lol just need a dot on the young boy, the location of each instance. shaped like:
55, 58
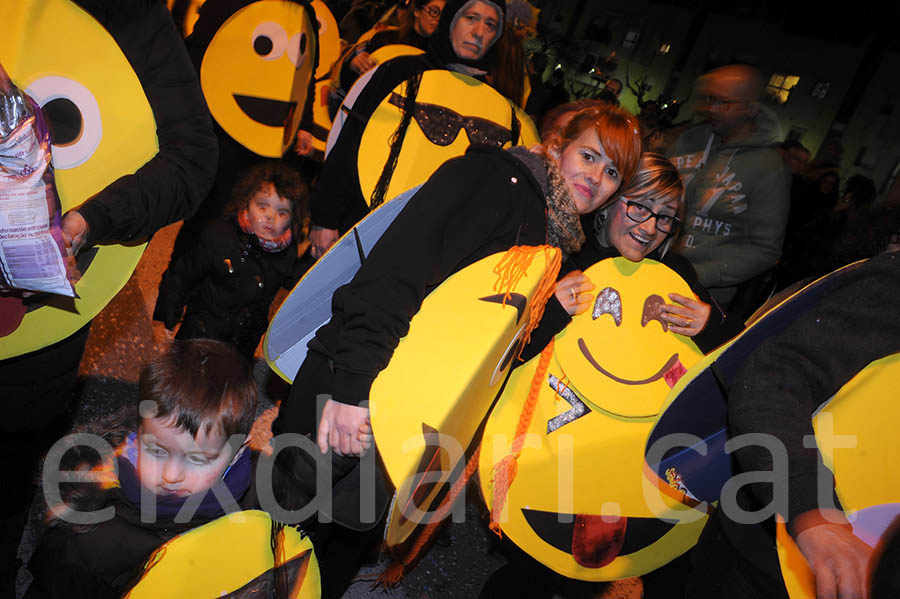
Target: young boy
180, 461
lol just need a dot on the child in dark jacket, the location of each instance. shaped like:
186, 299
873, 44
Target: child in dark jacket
230, 275
182, 441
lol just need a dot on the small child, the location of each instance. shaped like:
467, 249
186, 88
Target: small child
230, 275
195, 407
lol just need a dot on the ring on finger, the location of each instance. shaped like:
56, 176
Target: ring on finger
574, 296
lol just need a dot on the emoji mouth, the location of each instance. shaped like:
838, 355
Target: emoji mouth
593, 542
660, 374
273, 113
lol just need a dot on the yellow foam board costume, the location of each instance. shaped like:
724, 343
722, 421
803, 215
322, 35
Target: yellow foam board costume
232, 554
329, 52
451, 111
256, 72
427, 405
860, 480
562, 457
118, 136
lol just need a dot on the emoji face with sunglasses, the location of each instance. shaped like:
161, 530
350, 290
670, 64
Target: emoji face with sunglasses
449, 111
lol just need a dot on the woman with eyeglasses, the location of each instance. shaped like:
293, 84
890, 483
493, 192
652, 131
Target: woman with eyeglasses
642, 221
415, 31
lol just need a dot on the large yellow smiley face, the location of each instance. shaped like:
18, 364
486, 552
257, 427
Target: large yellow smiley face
256, 72
620, 355
103, 128
579, 503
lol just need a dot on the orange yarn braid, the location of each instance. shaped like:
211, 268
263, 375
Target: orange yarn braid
512, 268
514, 265
394, 572
505, 470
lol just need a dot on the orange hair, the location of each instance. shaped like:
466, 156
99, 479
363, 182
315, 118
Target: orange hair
618, 130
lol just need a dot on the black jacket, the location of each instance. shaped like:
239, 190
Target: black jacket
787, 377
227, 283
171, 185
473, 206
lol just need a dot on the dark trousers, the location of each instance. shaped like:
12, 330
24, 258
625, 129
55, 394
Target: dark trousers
343, 544
36, 390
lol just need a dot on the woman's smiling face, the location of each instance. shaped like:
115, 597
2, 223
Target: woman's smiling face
590, 174
634, 240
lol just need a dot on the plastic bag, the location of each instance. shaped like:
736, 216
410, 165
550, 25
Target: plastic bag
32, 251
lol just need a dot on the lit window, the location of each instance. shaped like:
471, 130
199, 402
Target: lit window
664, 48
780, 86
631, 38
820, 89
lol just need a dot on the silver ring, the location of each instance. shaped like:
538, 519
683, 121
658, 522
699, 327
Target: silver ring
574, 297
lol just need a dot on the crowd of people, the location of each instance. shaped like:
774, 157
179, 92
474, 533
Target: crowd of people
738, 212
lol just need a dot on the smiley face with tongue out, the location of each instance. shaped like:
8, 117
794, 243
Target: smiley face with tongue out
577, 501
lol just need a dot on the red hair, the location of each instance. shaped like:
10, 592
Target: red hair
617, 129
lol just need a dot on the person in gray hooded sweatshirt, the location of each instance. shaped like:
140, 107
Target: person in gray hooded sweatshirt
737, 191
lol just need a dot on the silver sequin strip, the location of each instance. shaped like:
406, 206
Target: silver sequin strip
578, 408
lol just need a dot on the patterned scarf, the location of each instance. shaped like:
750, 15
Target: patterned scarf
268, 245
563, 221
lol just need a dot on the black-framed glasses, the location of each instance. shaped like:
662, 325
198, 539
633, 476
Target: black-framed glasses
432, 11
640, 213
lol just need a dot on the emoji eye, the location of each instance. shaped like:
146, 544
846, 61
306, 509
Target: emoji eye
653, 311
297, 49
270, 40
608, 302
74, 117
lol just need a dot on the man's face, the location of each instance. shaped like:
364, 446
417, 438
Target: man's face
724, 104
474, 31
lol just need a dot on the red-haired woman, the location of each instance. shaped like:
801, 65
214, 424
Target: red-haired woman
473, 206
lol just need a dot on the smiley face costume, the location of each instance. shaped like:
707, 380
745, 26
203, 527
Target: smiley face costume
576, 503
118, 207
256, 60
806, 359
340, 198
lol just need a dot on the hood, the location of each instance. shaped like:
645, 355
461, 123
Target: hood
440, 47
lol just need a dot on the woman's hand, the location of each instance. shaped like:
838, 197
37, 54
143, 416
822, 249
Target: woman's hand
572, 292
362, 62
686, 316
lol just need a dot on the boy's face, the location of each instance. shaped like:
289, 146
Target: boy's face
172, 462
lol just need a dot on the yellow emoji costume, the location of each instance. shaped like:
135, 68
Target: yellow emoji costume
561, 463
833, 340
204, 563
488, 306
414, 113
256, 61
136, 152
105, 127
